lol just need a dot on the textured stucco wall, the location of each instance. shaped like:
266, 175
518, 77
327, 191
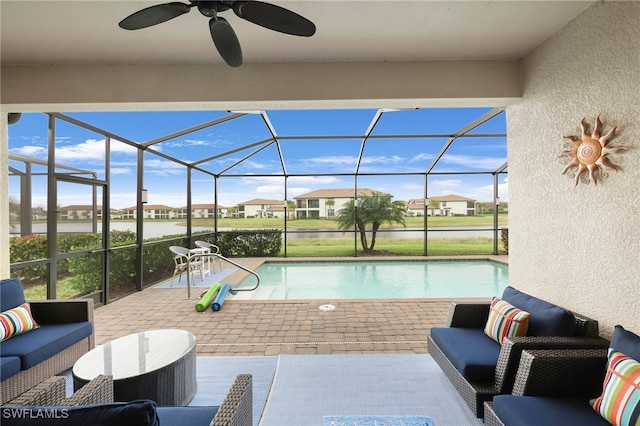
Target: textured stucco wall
4, 199
579, 246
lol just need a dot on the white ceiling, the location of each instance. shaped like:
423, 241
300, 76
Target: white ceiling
82, 31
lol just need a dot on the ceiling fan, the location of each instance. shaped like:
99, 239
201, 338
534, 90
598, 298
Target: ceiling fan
267, 15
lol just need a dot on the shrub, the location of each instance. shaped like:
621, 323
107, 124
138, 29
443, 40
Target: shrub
23, 249
250, 243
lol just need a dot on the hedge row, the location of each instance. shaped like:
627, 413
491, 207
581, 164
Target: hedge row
85, 272
250, 243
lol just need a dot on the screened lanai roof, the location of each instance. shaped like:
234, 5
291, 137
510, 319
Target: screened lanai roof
375, 143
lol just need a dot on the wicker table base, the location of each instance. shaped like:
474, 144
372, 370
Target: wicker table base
159, 365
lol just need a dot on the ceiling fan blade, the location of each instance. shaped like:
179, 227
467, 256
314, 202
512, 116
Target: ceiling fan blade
274, 17
154, 15
226, 41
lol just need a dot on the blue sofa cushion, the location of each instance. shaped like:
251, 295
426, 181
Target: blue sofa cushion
11, 294
133, 413
546, 318
41, 344
9, 366
472, 353
626, 342
191, 416
536, 410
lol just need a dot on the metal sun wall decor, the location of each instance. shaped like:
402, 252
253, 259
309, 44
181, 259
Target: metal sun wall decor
590, 152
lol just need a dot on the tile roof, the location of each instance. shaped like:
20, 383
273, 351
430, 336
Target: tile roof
260, 201
338, 193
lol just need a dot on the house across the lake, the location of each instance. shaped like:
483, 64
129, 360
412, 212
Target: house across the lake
325, 203
444, 205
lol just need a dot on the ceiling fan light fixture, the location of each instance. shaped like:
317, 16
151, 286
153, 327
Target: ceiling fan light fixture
266, 15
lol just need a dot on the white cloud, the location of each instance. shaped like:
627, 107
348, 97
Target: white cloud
381, 159
121, 171
91, 149
482, 163
313, 180
294, 192
352, 160
30, 151
254, 165
444, 186
422, 157
163, 168
332, 159
259, 180
276, 190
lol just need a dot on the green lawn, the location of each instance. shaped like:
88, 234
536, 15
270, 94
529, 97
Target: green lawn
405, 246
411, 222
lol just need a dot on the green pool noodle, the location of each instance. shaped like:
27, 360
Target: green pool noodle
208, 297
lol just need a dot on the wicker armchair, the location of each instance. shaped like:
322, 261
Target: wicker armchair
235, 410
52, 312
562, 377
52, 392
474, 315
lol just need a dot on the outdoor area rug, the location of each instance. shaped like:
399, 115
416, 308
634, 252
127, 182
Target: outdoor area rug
210, 278
217, 374
377, 421
307, 388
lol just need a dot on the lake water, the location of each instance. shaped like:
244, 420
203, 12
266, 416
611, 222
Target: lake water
160, 229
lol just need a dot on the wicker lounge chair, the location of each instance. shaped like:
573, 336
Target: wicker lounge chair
235, 410
49, 314
586, 387
553, 387
472, 317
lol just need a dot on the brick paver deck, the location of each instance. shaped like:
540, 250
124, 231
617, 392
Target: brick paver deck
244, 328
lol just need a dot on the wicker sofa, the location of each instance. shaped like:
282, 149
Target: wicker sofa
479, 367
65, 334
47, 405
554, 387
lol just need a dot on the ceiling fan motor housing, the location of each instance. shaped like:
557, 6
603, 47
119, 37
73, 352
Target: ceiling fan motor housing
211, 8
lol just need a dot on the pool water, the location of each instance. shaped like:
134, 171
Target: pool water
377, 280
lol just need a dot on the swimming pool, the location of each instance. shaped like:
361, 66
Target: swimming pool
377, 280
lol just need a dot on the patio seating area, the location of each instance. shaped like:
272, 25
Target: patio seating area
367, 350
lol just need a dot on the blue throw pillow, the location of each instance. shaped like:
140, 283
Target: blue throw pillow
11, 294
133, 413
626, 342
546, 318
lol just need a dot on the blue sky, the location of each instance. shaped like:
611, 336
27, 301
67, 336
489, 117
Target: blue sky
260, 175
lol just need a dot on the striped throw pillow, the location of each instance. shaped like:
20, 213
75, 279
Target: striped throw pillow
16, 321
505, 320
619, 403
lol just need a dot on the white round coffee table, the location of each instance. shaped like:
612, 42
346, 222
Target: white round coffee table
157, 364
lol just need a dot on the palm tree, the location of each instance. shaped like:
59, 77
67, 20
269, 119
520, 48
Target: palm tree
434, 203
348, 217
372, 210
291, 209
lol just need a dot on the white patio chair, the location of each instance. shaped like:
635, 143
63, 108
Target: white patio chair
184, 260
213, 249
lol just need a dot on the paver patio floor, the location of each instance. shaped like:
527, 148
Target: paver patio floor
244, 328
